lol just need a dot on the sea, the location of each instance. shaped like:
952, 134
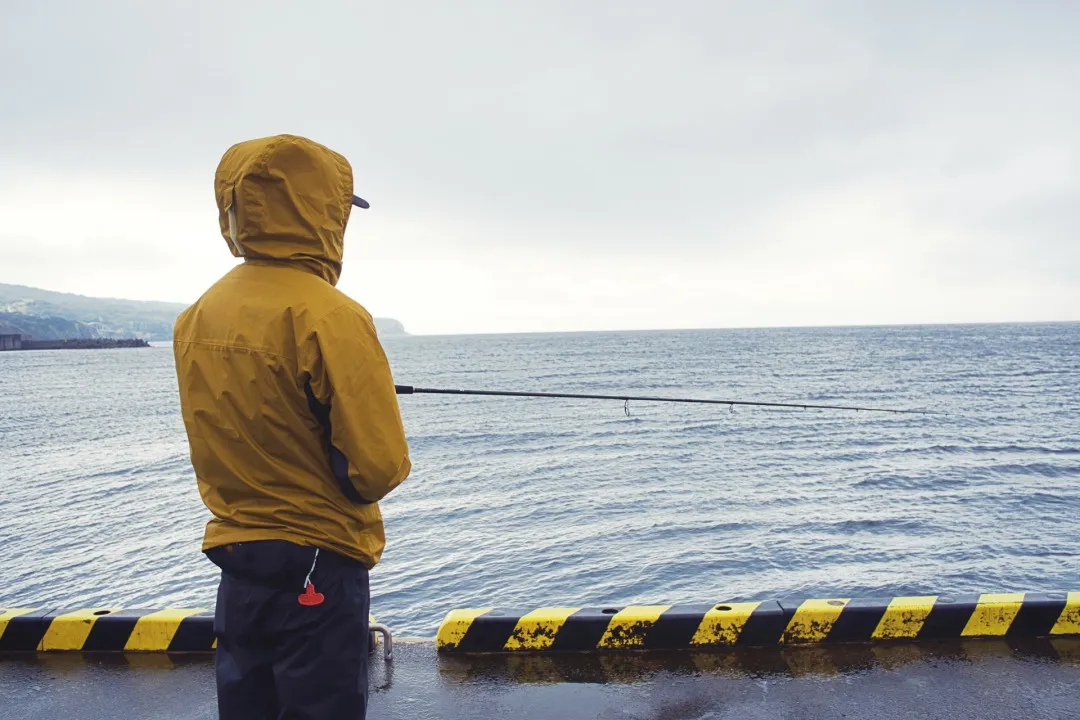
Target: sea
520, 503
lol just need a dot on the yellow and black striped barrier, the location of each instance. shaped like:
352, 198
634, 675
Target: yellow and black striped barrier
751, 624
767, 623
118, 630
106, 630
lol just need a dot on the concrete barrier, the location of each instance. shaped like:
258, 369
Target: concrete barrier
107, 630
765, 623
116, 630
750, 624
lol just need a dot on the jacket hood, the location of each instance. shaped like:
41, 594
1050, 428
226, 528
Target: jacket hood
285, 199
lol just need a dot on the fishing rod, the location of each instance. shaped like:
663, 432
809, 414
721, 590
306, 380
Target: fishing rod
410, 390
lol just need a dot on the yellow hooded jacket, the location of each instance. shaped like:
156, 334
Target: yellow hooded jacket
286, 393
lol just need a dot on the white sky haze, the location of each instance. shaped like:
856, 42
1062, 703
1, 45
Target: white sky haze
537, 166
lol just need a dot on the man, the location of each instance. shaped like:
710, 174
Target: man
295, 436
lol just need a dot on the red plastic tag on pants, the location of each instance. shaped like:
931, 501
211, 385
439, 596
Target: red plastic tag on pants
310, 597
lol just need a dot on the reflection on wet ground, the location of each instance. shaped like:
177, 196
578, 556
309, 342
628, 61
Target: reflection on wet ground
969, 679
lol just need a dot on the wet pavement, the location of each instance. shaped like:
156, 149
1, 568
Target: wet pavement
977, 679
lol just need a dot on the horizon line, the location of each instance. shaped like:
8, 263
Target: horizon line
949, 323
810, 326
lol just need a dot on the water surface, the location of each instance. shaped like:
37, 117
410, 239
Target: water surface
543, 502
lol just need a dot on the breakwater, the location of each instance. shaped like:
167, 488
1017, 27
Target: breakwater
18, 342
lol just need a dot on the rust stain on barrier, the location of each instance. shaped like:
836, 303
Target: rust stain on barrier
627, 634
537, 629
904, 617
629, 626
455, 626
722, 624
813, 621
1069, 622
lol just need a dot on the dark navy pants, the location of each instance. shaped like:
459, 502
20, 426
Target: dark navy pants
278, 659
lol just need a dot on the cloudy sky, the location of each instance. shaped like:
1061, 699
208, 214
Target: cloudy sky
568, 165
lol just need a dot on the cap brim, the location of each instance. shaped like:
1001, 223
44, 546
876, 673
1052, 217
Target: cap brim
360, 202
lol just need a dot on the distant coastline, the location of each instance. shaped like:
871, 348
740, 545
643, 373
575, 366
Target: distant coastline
47, 316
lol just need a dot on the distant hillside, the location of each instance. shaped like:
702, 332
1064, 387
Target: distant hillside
45, 328
49, 315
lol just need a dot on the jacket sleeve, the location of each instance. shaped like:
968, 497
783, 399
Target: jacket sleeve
352, 389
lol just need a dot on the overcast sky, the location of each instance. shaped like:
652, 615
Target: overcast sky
568, 165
